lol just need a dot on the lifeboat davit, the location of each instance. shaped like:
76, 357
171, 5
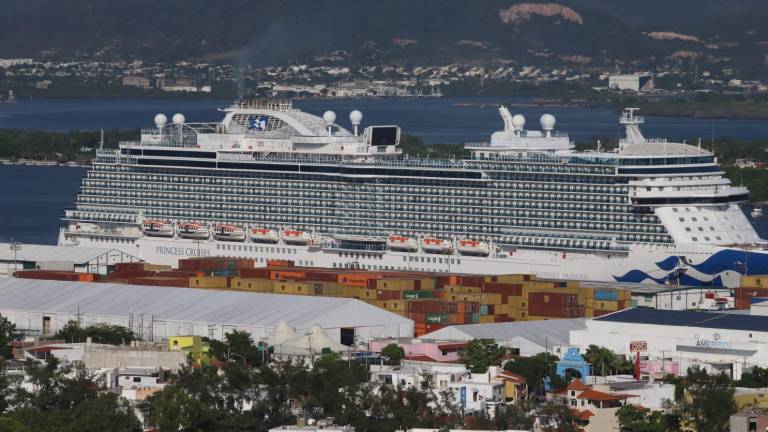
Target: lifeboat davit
436, 246
228, 233
473, 247
294, 237
157, 228
264, 235
192, 230
402, 244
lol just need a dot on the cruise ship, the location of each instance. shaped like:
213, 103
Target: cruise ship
273, 182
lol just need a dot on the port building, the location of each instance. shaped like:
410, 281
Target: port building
42, 307
637, 83
17, 256
673, 341
528, 337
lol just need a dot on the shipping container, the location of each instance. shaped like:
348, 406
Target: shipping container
209, 282
287, 275
606, 295
388, 294
411, 294
55, 275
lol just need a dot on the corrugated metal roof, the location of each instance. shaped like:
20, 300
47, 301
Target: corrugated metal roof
38, 253
544, 332
188, 304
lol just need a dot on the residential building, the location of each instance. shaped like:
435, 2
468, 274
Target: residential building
749, 420
422, 349
595, 409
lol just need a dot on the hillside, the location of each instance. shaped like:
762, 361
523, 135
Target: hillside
416, 31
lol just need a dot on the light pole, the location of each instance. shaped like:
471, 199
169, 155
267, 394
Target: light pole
311, 354
15, 247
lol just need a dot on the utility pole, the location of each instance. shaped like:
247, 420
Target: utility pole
15, 247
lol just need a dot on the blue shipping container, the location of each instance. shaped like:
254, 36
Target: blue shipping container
607, 295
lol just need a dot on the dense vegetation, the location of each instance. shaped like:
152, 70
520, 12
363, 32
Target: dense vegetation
99, 334
58, 146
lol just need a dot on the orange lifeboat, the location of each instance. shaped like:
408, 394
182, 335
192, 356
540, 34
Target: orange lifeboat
192, 230
295, 237
264, 235
436, 246
402, 244
228, 233
473, 248
157, 228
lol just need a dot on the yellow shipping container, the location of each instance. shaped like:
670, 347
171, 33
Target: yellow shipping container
609, 305
756, 281
294, 288
460, 289
366, 294
251, 284
391, 305
428, 284
216, 282
330, 289
484, 319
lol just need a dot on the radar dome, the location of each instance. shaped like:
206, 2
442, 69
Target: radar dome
355, 117
161, 120
329, 117
547, 122
518, 121
178, 119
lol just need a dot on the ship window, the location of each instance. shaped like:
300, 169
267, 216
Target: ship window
706, 238
718, 237
694, 219
682, 219
701, 228
711, 228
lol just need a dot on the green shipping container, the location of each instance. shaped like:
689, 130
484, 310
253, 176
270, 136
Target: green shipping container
436, 318
483, 309
417, 294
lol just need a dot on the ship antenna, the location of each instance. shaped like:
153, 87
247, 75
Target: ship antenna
101, 140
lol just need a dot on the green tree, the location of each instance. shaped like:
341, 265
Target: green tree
708, 401
394, 353
638, 419
557, 417
515, 416
535, 369
756, 378
8, 333
99, 333
478, 354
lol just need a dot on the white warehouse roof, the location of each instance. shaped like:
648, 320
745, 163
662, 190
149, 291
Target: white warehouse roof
531, 337
37, 253
192, 311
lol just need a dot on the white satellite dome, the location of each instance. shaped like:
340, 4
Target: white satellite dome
178, 119
518, 121
329, 117
161, 120
355, 117
547, 122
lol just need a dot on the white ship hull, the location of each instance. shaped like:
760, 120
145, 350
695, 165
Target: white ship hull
706, 265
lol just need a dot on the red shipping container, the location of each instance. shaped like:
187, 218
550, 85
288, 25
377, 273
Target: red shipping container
505, 289
388, 295
321, 276
259, 272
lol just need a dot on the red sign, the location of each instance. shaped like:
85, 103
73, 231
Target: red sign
638, 346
